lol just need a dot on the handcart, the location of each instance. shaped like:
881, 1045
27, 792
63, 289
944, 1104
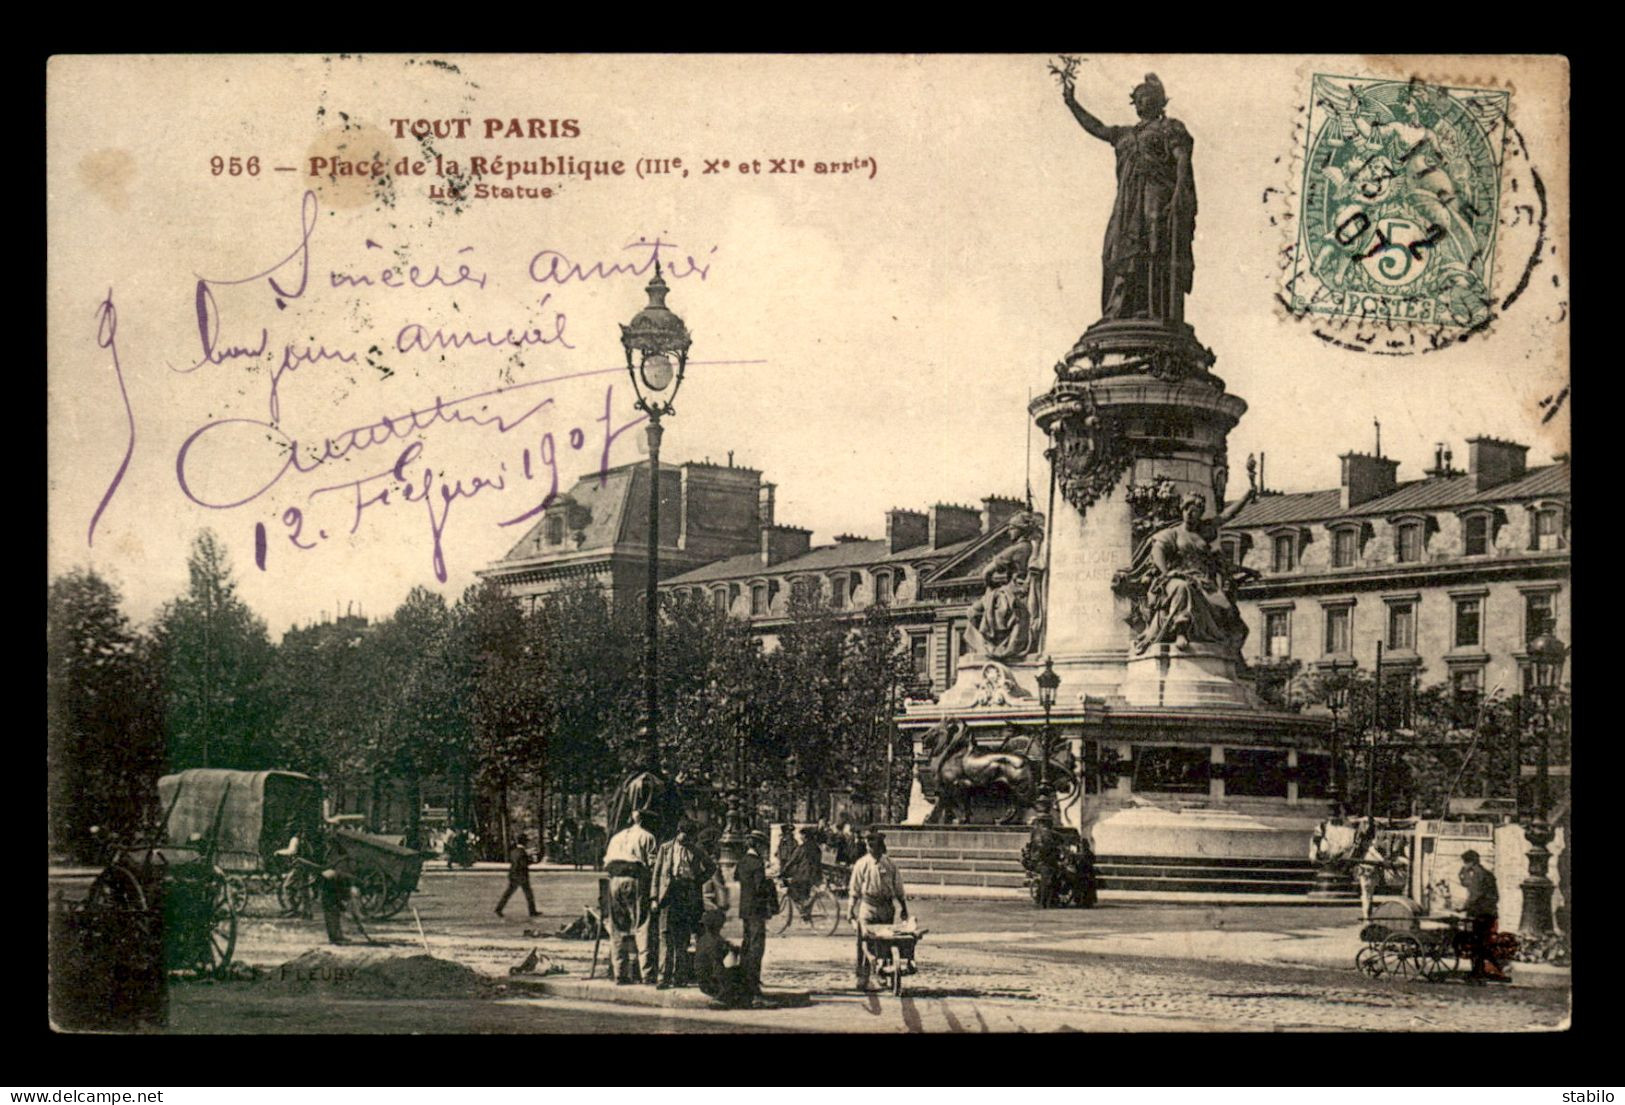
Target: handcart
890, 949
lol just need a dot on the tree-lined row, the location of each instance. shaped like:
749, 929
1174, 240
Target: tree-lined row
502, 708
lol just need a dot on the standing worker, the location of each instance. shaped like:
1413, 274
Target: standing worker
518, 875
875, 886
1481, 908
758, 900
336, 886
630, 859
680, 868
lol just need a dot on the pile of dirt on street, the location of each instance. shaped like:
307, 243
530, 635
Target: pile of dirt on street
372, 974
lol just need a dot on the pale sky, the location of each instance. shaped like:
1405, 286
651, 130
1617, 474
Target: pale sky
866, 343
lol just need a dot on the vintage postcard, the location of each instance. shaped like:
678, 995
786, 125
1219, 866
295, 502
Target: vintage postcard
663, 543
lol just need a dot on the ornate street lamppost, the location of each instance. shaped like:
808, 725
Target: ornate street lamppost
1547, 653
1337, 700
1048, 684
656, 344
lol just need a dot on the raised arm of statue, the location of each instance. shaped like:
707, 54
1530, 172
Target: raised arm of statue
1085, 120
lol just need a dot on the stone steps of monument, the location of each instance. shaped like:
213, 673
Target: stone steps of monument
937, 855
1015, 880
985, 860
1207, 885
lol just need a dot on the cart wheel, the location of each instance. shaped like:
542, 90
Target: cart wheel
1369, 962
221, 940
374, 889
237, 887
116, 889
1401, 955
1440, 963
394, 904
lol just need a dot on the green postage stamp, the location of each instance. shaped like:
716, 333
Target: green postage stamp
1398, 202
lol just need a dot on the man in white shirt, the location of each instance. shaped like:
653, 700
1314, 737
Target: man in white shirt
875, 885
630, 860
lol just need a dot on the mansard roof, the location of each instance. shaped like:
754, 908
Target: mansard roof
604, 503
824, 558
1441, 492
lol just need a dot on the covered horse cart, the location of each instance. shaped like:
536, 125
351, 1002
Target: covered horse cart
259, 813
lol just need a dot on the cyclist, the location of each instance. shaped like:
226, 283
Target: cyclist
801, 871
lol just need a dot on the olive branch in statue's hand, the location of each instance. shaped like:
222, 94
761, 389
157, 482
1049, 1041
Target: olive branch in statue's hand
1066, 72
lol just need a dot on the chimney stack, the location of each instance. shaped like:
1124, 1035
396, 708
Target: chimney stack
1492, 462
905, 529
997, 510
764, 504
781, 543
949, 523
1366, 477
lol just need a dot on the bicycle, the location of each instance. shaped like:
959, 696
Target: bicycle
820, 910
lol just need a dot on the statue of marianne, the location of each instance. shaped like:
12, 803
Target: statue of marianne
1147, 259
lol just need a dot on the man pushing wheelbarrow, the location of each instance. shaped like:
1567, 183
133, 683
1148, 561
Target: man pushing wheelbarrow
875, 886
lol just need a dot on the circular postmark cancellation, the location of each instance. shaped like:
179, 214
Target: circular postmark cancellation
1407, 196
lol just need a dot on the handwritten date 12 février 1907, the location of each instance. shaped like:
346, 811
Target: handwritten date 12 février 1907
270, 467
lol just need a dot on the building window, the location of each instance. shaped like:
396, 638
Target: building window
1466, 685
1410, 542
1278, 634
1469, 618
919, 655
1476, 534
555, 529
1345, 548
1402, 627
1286, 552
758, 599
733, 595
1232, 550
837, 592
1548, 530
1339, 639
799, 591
719, 600
1537, 615
882, 587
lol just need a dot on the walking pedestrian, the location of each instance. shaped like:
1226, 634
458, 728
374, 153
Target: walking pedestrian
519, 875
630, 859
1481, 908
680, 869
758, 900
875, 886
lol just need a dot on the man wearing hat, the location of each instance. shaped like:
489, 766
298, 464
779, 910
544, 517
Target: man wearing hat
875, 886
802, 869
1481, 907
680, 869
758, 900
518, 875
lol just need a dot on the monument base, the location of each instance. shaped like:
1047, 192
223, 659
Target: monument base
1197, 675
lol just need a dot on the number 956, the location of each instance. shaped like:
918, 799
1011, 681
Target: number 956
234, 166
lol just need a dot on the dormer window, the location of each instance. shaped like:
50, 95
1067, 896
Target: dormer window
1548, 527
1345, 547
883, 587
800, 590
1232, 549
554, 528
1285, 546
1475, 534
1408, 542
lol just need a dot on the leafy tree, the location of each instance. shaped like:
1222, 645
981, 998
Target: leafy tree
104, 726
214, 655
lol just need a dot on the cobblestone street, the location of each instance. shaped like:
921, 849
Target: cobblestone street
985, 966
